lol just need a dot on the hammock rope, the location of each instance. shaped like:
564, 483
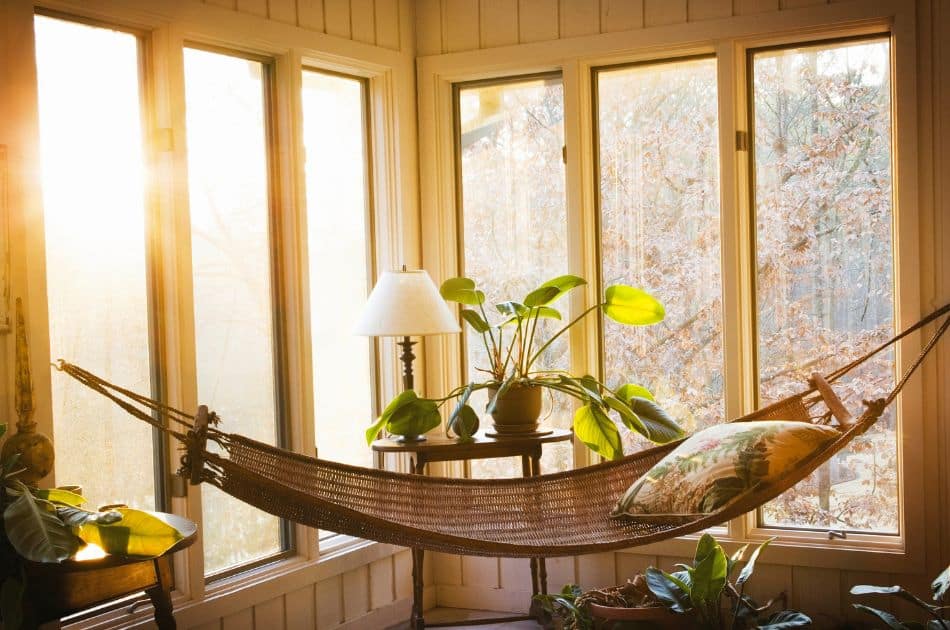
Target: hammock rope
558, 514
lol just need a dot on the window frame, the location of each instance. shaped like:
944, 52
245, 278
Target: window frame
390, 97
729, 43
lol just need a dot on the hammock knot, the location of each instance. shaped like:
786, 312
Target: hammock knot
875, 407
196, 441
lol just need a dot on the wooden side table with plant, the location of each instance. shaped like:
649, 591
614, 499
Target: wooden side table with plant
477, 447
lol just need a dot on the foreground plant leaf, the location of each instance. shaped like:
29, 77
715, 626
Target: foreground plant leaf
940, 586
631, 306
889, 620
669, 590
785, 619
77, 517
595, 429
405, 398
58, 495
553, 290
475, 320
137, 534
35, 531
658, 426
749, 567
461, 290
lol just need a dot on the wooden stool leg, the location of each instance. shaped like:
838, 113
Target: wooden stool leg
161, 594
417, 621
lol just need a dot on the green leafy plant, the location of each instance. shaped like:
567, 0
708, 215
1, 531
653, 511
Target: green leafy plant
514, 347
698, 590
51, 526
567, 607
940, 588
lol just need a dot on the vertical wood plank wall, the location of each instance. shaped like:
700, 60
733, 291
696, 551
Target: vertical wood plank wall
447, 26
374, 22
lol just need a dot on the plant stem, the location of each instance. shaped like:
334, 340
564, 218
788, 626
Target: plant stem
561, 332
481, 307
534, 328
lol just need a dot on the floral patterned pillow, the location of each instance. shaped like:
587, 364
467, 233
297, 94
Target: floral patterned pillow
718, 465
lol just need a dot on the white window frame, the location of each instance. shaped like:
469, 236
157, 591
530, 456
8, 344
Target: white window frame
165, 32
730, 41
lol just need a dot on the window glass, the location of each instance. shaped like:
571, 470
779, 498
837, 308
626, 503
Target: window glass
658, 134
93, 182
824, 261
514, 225
231, 261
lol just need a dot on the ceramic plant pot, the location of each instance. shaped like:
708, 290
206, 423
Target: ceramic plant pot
655, 616
517, 411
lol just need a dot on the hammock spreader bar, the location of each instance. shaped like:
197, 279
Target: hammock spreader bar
559, 514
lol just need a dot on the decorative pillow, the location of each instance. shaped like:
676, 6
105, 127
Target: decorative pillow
718, 465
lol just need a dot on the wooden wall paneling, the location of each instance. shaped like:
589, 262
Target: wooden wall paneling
283, 11
402, 571
253, 7
226, 4
853, 578
769, 580
668, 563
579, 17
428, 27
447, 569
697, 10
241, 620
620, 15
355, 593
817, 592
596, 570
211, 625
329, 602
336, 16
387, 24
497, 23
795, 4
478, 571
381, 590
310, 15
460, 25
299, 609
515, 574
363, 21
751, 7
561, 571
537, 20
919, 585
629, 564
270, 614
663, 12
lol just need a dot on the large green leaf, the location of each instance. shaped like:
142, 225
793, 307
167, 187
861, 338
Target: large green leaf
941, 585
553, 290
402, 400
595, 429
461, 290
35, 531
898, 591
708, 574
512, 309
58, 495
475, 320
785, 619
137, 534
415, 418
749, 567
889, 620
660, 427
77, 517
628, 391
464, 424
735, 558
705, 546
668, 589
629, 419
631, 306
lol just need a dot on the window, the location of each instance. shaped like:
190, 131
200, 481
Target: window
339, 257
97, 260
824, 260
236, 347
514, 221
658, 135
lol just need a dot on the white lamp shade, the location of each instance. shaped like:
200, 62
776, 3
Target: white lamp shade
406, 304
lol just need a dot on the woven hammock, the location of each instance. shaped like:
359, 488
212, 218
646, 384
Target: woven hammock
560, 514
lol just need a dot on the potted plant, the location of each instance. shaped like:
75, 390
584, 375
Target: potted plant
514, 383
704, 590
50, 526
937, 619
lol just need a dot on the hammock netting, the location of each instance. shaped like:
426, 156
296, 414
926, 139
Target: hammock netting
559, 514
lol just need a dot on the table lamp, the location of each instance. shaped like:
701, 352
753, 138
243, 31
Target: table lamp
406, 304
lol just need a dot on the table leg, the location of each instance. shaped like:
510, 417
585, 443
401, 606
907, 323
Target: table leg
161, 594
417, 621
